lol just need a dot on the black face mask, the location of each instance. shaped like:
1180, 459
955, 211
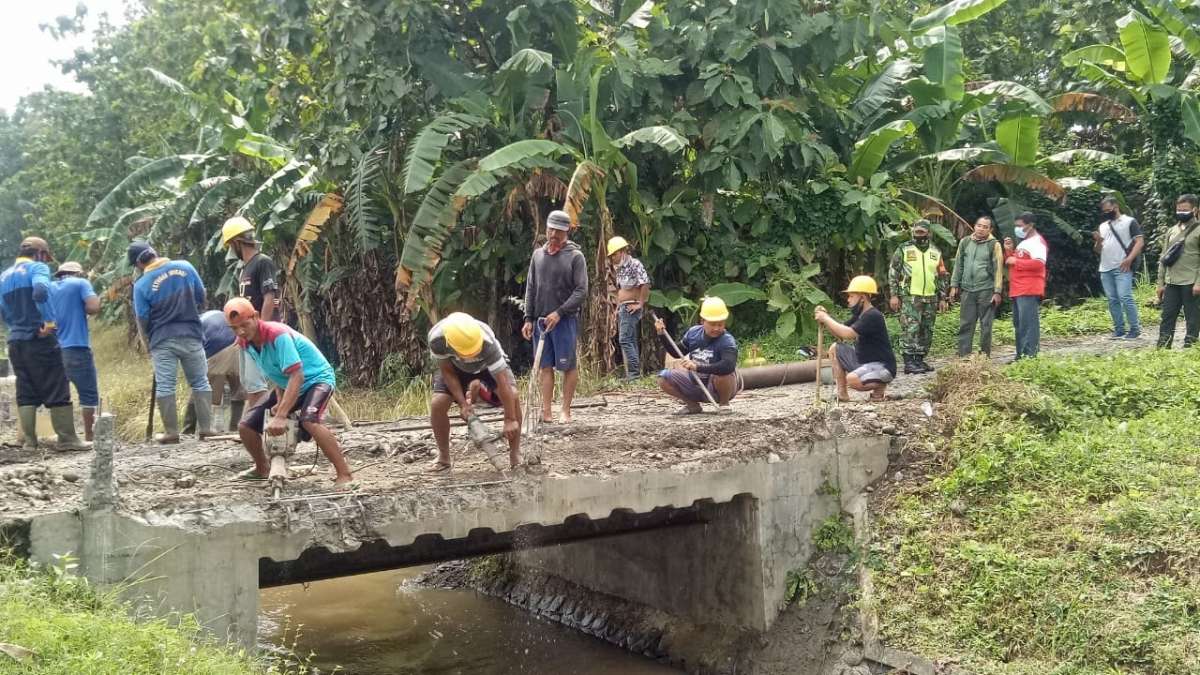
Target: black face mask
1183, 216
921, 242
1110, 215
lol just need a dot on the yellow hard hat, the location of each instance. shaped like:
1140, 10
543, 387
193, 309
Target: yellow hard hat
463, 334
616, 244
234, 227
713, 309
862, 284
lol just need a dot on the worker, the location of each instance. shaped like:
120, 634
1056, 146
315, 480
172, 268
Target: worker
978, 281
1178, 285
1026, 282
258, 281
33, 349
303, 383
223, 355
468, 353
1118, 241
167, 300
917, 279
555, 289
709, 359
74, 300
633, 289
870, 364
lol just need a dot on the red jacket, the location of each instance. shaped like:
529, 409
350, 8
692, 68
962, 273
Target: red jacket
1027, 268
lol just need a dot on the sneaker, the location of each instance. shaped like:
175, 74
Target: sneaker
1132, 336
1117, 336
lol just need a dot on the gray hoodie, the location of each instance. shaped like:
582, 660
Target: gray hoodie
556, 283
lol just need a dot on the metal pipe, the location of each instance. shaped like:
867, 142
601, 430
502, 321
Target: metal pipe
779, 374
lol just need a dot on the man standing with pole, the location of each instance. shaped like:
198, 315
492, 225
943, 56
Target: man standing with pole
917, 279
555, 289
33, 346
258, 282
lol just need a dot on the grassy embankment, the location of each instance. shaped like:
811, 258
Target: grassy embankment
73, 628
1058, 529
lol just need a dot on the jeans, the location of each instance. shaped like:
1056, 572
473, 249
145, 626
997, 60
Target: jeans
1118, 287
1028, 324
172, 353
976, 307
627, 334
81, 371
1176, 297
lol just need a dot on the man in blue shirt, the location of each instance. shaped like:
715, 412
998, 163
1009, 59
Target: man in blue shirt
33, 347
302, 382
167, 300
223, 354
73, 300
710, 354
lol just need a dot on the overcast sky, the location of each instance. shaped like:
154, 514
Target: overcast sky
26, 51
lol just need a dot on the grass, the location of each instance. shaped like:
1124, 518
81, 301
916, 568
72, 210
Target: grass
74, 628
1075, 547
1089, 317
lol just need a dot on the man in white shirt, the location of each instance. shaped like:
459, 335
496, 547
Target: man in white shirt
1118, 241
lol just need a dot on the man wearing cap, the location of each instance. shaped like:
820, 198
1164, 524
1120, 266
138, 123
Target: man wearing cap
74, 300
468, 353
259, 283
978, 280
917, 278
223, 355
633, 289
709, 360
33, 348
555, 288
167, 300
870, 364
302, 383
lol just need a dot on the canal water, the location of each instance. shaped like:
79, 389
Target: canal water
381, 624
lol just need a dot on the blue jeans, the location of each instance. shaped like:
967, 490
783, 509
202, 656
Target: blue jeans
627, 336
81, 371
179, 351
1027, 322
1118, 287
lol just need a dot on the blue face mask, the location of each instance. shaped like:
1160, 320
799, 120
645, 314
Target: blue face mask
1019, 231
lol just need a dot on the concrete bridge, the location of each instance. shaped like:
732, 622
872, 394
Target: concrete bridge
709, 544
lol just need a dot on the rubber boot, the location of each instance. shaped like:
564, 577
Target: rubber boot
189, 419
910, 365
88, 414
170, 419
236, 409
27, 418
925, 367
63, 419
203, 404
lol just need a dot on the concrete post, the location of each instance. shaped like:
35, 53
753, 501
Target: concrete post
101, 492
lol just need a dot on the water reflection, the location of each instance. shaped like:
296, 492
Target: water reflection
377, 624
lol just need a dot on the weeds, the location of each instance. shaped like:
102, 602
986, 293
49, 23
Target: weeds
800, 586
834, 536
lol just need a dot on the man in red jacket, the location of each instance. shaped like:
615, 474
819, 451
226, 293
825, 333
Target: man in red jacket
1026, 282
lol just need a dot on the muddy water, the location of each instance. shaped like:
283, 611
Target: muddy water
379, 624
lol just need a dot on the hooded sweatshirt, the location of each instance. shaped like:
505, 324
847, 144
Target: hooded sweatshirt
556, 283
979, 265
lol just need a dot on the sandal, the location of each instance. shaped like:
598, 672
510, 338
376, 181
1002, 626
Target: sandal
250, 475
438, 467
689, 409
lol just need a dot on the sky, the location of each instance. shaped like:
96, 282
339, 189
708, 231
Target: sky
26, 51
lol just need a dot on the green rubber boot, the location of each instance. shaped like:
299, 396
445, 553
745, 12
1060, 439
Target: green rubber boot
170, 419
236, 410
27, 418
63, 419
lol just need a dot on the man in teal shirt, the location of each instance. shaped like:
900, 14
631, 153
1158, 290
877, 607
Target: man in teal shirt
302, 382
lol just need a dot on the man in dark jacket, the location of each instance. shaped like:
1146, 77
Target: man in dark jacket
978, 280
555, 288
710, 353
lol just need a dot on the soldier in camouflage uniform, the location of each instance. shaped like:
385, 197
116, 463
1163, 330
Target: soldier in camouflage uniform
918, 281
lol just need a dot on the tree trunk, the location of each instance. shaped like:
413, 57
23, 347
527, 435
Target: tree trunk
600, 324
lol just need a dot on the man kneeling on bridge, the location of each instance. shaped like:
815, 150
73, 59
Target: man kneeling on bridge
869, 364
709, 361
303, 383
470, 360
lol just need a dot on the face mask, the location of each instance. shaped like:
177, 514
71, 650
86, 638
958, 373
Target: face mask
1019, 231
1183, 216
921, 242
1111, 215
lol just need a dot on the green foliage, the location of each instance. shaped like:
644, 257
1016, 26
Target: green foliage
834, 535
800, 586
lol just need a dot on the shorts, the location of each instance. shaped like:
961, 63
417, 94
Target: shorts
253, 381
487, 384
311, 406
687, 387
81, 371
559, 352
866, 373
224, 367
